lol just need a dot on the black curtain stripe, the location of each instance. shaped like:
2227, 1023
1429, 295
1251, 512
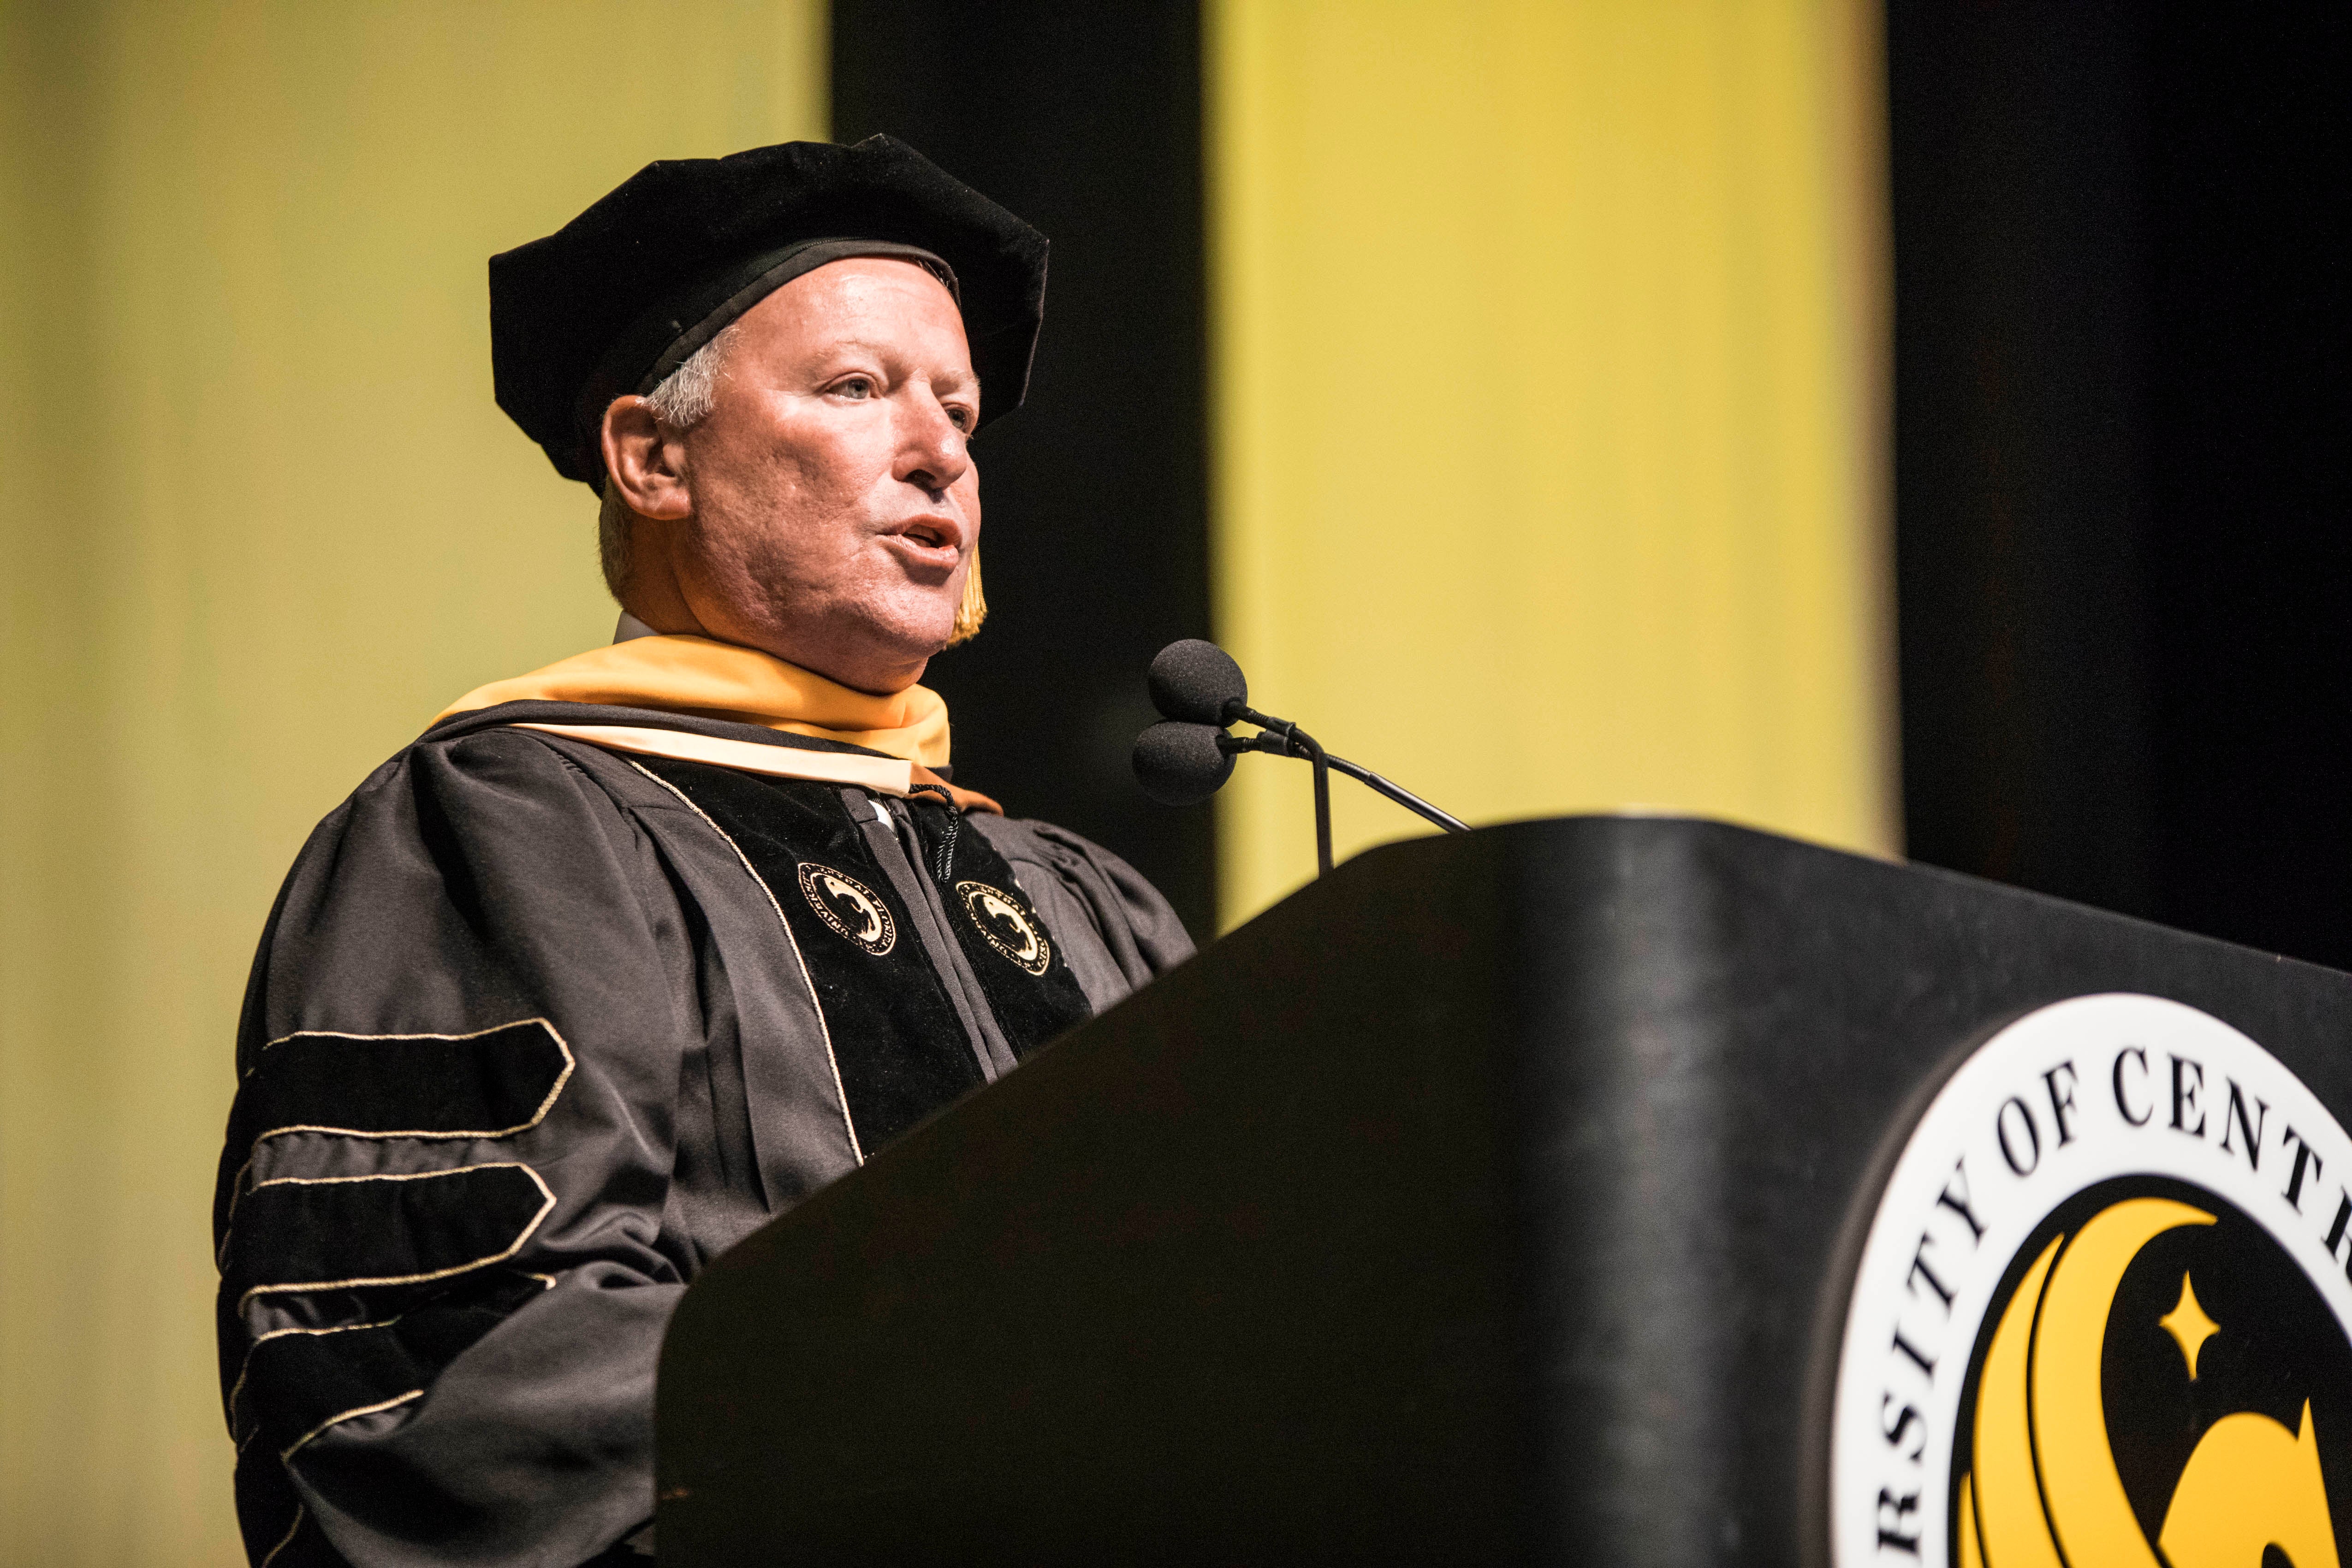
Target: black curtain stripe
1086, 121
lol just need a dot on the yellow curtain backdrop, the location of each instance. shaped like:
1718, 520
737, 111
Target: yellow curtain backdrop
261, 520
1548, 360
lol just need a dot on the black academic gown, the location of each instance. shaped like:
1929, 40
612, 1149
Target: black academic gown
538, 1028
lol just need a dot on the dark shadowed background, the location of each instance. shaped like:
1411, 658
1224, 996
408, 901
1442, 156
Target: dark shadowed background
2121, 426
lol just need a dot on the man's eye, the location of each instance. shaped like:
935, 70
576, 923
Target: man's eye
960, 418
856, 386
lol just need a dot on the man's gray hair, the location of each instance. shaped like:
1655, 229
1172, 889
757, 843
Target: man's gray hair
682, 401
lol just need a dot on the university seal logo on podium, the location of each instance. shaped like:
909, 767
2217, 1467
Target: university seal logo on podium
2104, 1311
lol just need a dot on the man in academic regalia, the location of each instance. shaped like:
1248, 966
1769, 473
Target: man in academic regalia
623, 958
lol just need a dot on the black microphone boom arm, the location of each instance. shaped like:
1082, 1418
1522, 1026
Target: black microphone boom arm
1286, 740
1294, 742
1399, 794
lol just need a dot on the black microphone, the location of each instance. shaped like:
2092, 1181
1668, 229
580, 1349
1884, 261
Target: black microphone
1187, 757
1197, 682
1180, 764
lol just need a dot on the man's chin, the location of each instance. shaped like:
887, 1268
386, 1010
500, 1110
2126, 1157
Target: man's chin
881, 654
910, 631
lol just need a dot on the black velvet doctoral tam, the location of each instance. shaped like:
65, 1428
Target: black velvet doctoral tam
615, 299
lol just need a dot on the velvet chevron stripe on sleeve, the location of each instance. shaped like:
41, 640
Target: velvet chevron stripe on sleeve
352, 1232
490, 1084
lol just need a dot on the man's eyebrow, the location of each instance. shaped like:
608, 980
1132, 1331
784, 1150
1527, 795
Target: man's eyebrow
886, 351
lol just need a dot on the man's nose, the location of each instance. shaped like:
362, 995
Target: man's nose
932, 453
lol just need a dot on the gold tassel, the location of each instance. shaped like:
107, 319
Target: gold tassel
974, 608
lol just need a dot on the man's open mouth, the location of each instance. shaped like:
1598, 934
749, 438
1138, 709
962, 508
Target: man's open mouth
933, 542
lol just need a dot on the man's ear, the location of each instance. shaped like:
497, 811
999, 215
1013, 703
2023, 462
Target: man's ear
646, 463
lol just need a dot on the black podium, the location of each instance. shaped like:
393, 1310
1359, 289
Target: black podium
1495, 1199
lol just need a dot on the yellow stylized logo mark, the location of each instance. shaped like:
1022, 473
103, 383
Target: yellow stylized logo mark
2043, 1491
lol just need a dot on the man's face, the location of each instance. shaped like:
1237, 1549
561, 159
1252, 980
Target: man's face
834, 504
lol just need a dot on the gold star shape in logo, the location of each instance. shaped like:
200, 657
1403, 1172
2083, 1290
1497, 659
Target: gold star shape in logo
2189, 1324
